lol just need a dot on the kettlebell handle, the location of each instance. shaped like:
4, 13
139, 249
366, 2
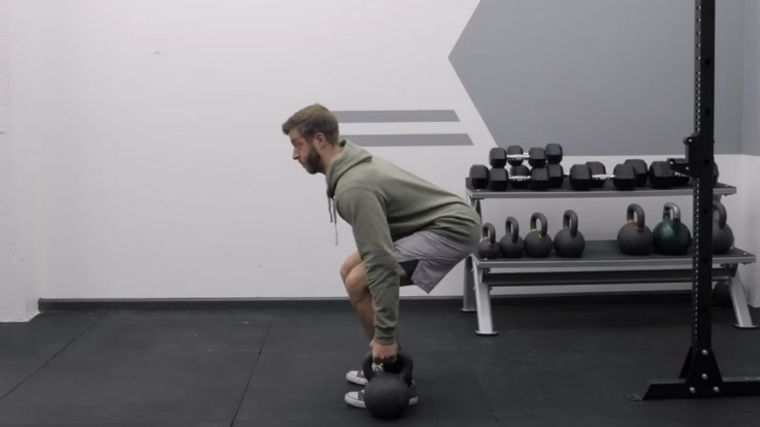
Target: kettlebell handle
406, 362
633, 208
513, 229
672, 212
538, 216
722, 214
570, 219
489, 232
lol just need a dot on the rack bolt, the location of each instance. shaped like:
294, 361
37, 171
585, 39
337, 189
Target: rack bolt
692, 390
716, 390
704, 377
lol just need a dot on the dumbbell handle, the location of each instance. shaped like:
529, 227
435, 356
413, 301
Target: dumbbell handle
523, 156
603, 177
519, 178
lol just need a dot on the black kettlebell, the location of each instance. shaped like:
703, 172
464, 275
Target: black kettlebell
488, 248
671, 237
388, 391
538, 244
723, 236
635, 238
512, 245
569, 242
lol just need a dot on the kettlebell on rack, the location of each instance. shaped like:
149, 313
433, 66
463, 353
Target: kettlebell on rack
388, 391
488, 248
569, 242
512, 245
723, 236
635, 238
538, 244
671, 236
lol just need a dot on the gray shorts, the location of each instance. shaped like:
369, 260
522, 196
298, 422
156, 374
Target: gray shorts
426, 257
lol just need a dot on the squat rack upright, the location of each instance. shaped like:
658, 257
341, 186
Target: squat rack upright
700, 375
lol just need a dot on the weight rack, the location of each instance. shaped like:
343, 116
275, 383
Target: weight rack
700, 375
602, 262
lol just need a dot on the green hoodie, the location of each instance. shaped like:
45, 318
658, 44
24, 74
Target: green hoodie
384, 203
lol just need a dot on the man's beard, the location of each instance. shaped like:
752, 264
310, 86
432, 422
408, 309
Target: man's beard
313, 162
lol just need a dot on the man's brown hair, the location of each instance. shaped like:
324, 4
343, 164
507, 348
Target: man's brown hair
312, 119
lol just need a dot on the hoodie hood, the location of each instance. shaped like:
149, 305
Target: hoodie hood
350, 156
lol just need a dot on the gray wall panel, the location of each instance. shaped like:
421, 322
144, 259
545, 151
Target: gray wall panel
411, 140
751, 78
601, 77
396, 116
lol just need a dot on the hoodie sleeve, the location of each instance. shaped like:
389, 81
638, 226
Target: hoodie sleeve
365, 211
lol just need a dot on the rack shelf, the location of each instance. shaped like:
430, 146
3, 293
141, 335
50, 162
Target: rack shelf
601, 263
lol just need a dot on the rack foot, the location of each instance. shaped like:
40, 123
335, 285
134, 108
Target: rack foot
681, 389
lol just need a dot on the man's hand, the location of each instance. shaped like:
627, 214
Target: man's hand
382, 353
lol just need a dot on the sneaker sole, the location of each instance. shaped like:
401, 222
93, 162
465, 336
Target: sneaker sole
353, 379
358, 403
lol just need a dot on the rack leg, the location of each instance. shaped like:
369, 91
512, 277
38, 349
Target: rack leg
739, 302
483, 303
468, 293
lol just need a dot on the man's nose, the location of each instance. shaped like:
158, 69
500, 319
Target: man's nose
295, 154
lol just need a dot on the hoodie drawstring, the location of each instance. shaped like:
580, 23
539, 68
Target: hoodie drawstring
333, 216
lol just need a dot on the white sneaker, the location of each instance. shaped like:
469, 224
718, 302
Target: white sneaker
356, 377
356, 398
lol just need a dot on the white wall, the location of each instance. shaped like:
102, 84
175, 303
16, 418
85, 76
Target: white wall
152, 164
157, 125
18, 300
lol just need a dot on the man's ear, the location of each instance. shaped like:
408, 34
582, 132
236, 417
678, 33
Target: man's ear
320, 140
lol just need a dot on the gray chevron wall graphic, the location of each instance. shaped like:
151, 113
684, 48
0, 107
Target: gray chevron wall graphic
403, 116
585, 75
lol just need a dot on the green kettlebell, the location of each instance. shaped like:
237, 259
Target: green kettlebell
671, 236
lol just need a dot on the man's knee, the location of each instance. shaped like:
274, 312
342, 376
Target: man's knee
352, 261
344, 272
356, 284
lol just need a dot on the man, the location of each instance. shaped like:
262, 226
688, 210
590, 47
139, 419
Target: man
407, 230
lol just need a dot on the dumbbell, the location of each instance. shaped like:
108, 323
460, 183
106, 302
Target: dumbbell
536, 157
536, 179
661, 175
521, 175
479, 177
498, 179
556, 175
593, 174
641, 170
716, 173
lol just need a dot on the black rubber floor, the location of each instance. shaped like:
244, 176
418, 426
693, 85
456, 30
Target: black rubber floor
556, 362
